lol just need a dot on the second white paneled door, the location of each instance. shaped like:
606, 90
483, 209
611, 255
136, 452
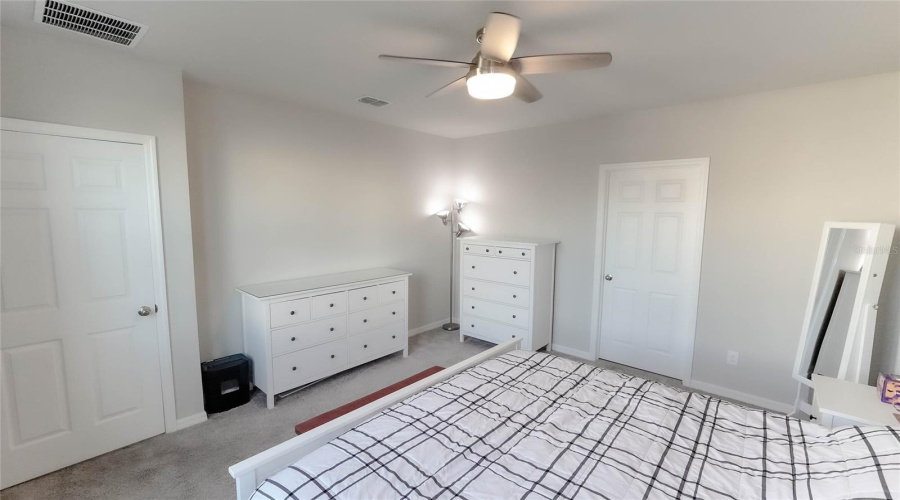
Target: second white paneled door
653, 225
80, 365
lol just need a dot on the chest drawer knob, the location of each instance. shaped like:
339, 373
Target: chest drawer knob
293, 339
499, 251
513, 336
365, 321
365, 346
514, 296
393, 336
467, 248
331, 329
514, 316
523, 254
473, 288
515, 272
473, 326
294, 368
473, 267
332, 356
365, 298
330, 305
394, 313
393, 292
473, 307
292, 313
487, 249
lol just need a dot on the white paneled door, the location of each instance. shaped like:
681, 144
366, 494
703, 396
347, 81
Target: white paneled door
654, 220
80, 366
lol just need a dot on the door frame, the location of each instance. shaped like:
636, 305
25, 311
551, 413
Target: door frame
600, 250
157, 254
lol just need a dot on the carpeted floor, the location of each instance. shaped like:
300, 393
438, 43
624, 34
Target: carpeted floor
193, 463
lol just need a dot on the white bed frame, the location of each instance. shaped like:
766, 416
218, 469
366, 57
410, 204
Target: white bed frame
251, 472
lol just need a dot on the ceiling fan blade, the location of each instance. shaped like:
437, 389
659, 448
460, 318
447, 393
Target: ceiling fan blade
525, 90
557, 63
446, 89
428, 62
501, 35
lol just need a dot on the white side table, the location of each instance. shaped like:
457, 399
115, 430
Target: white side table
838, 402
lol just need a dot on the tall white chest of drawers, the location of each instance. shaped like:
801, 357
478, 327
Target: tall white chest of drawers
301, 330
506, 290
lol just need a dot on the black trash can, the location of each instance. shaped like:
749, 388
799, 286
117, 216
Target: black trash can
226, 383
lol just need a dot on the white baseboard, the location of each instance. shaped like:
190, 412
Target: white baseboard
769, 404
429, 326
184, 423
578, 353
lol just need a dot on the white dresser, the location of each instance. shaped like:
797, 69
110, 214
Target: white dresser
301, 330
506, 290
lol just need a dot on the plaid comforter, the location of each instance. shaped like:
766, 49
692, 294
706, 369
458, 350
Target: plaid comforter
532, 425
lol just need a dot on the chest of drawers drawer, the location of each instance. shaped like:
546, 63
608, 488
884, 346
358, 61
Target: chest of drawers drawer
289, 312
497, 292
513, 272
375, 342
330, 304
363, 298
515, 316
487, 329
293, 369
391, 292
297, 337
370, 319
497, 251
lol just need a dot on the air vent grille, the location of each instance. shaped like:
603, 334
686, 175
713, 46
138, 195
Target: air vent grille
371, 101
88, 22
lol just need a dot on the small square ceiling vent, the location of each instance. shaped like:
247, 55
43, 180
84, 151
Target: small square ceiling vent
371, 101
88, 22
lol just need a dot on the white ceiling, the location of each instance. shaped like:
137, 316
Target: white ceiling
324, 54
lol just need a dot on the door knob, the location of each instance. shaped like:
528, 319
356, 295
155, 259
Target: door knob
144, 311
608, 277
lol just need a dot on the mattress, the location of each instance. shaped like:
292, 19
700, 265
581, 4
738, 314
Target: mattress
533, 425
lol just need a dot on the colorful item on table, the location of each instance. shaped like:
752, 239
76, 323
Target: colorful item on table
889, 388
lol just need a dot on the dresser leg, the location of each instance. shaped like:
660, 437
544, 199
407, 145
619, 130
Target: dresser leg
462, 338
270, 401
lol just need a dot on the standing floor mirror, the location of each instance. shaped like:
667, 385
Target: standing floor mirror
839, 326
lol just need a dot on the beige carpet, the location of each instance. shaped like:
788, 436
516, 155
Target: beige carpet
193, 463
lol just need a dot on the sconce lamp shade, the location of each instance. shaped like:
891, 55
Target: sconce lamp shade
460, 204
444, 215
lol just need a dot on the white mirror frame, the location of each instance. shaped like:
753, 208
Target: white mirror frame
857, 356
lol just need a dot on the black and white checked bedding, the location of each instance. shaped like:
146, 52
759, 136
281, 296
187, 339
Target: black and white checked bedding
532, 425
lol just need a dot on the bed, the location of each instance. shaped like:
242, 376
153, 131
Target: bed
520, 424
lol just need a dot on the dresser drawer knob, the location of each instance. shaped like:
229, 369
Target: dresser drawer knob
294, 368
365, 346
499, 251
473, 288
513, 336
523, 254
365, 298
514, 316
473, 307
332, 356
365, 321
467, 248
473, 267
331, 329
514, 296
487, 249
293, 339
473, 326
330, 305
515, 272
393, 336
394, 313
292, 313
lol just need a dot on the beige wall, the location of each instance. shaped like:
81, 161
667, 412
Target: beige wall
51, 79
279, 191
781, 164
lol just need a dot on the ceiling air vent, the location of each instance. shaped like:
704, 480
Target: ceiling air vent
371, 101
88, 22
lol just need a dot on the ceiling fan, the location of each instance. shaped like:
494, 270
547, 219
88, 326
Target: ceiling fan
494, 73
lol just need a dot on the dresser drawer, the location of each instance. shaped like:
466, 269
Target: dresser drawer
497, 292
289, 312
297, 337
299, 367
391, 292
369, 319
515, 316
514, 272
363, 298
477, 249
379, 341
515, 253
490, 330
329, 305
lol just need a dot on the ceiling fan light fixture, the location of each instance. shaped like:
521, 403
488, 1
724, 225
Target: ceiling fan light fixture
492, 84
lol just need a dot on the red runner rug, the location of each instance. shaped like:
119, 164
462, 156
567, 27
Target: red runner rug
347, 408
